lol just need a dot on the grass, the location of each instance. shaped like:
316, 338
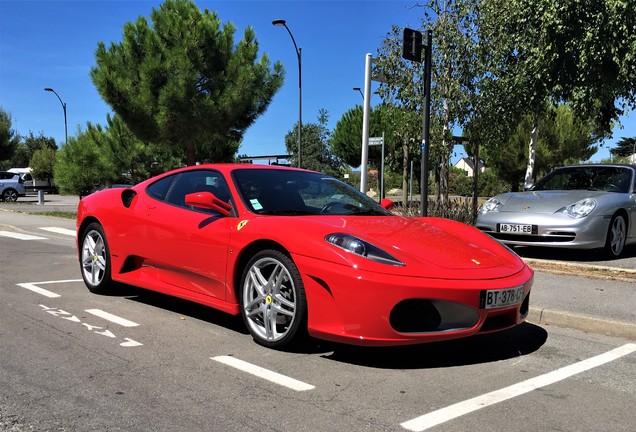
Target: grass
60, 214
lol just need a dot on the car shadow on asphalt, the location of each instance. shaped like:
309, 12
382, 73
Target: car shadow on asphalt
518, 341
179, 306
596, 256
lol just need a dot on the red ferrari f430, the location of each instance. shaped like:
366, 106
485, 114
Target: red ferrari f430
300, 253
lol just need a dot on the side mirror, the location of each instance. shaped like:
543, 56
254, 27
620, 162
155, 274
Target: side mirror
387, 204
207, 200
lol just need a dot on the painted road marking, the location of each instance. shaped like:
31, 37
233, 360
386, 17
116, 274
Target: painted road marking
459, 409
112, 318
128, 343
57, 230
33, 286
265, 374
37, 289
20, 236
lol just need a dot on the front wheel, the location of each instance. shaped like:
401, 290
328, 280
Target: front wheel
95, 259
9, 195
273, 303
616, 235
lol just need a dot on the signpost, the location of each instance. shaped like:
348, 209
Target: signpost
412, 46
373, 141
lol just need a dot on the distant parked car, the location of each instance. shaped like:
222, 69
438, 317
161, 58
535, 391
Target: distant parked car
11, 186
580, 207
31, 183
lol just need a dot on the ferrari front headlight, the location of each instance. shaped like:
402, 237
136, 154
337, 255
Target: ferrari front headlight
362, 248
580, 208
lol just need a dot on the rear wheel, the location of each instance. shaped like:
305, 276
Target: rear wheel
616, 236
95, 259
273, 302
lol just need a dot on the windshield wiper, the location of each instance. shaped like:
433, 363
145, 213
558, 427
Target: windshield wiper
369, 212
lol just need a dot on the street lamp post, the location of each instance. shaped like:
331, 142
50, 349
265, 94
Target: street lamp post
282, 23
64, 108
358, 89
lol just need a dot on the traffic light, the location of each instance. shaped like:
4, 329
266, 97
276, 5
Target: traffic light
412, 45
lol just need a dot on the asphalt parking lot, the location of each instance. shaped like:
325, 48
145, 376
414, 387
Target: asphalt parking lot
152, 362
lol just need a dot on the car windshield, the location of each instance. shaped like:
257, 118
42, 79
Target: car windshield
604, 178
289, 192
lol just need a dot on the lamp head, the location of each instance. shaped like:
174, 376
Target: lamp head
279, 23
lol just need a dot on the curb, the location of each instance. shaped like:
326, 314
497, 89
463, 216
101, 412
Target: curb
579, 265
586, 323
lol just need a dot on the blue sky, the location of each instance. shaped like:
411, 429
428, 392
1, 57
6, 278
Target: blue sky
51, 43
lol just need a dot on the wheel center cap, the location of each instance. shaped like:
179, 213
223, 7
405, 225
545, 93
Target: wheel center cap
268, 299
95, 258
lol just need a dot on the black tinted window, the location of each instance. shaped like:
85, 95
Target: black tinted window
159, 188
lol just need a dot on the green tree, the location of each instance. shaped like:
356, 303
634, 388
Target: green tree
346, 140
317, 153
80, 168
581, 52
43, 164
625, 147
130, 159
27, 146
565, 139
453, 81
8, 138
181, 81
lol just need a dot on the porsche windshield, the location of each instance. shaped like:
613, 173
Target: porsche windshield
604, 178
283, 192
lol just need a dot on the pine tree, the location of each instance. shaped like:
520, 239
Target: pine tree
182, 81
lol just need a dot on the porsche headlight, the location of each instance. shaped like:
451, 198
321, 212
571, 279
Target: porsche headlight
492, 205
579, 209
362, 248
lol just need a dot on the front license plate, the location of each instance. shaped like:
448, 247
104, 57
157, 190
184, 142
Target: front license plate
514, 228
492, 299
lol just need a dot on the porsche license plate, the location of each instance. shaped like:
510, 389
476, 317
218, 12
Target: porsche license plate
492, 299
514, 228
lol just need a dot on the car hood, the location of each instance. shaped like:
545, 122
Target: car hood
543, 201
427, 246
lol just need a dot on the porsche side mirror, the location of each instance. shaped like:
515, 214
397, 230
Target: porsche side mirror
207, 200
387, 204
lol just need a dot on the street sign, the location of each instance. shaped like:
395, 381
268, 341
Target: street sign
412, 45
376, 141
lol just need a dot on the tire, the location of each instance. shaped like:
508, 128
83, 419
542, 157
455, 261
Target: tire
95, 262
9, 195
616, 235
273, 302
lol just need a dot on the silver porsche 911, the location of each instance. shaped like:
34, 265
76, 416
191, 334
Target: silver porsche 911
581, 206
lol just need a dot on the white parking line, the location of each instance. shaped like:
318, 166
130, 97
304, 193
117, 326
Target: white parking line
33, 286
112, 318
57, 230
265, 374
20, 236
459, 409
37, 289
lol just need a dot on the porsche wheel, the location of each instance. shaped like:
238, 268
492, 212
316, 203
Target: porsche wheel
95, 259
616, 236
273, 302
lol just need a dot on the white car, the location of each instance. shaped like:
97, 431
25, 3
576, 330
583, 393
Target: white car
11, 186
